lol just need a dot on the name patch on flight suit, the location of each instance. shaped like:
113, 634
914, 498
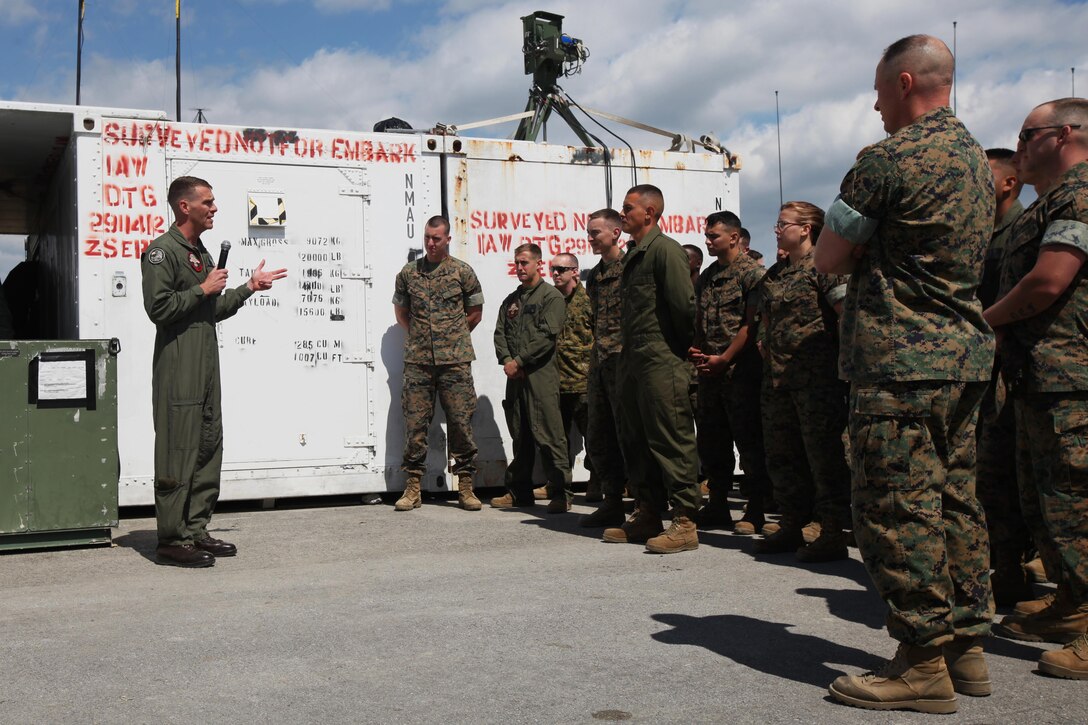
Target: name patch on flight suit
195, 262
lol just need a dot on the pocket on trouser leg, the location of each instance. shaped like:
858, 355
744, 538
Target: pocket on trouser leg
185, 426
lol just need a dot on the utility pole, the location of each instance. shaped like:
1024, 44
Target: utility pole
778, 126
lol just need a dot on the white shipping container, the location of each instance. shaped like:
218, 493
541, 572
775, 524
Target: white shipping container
311, 370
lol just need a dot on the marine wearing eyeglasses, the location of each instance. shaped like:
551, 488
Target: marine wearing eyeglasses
573, 348
1042, 315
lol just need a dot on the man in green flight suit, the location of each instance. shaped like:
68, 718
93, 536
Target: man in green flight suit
530, 319
182, 296
912, 223
657, 432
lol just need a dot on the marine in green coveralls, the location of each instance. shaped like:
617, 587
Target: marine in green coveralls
530, 319
182, 297
657, 430
912, 223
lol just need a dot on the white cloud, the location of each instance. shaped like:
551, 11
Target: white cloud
16, 12
692, 66
339, 6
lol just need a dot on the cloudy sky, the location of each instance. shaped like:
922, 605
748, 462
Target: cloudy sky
693, 66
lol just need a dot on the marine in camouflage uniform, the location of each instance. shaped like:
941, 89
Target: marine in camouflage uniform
727, 401
604, 228
916, 352
804, 402
997, 488
572, 354
529, 322
441, 301
1045, 359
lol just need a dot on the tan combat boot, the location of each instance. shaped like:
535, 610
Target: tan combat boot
811, 531
507, 501
967, 666
1034, 606
1036, 571
915, 679
786, 538
410, 499
639, 528
466, 499
1070, 662
681, 535
1062, 622
829, 545
752, 520
540, 493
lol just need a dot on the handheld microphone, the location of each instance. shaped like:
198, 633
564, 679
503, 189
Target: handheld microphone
224, 249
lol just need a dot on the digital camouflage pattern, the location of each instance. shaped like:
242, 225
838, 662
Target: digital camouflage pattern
806, 461
911, 312
603, 288
918, 524
602, 434
1049, 352
723, 291
916, 350
602, 396
528, 325
455, 389
997, 488
798, 327
657, 432
991, 268
1044, 358
1052, 461
727, 412
437, 356
185, 389
727, 406
575, 343
437, 301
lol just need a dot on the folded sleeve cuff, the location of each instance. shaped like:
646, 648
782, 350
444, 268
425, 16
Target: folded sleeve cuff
851, 225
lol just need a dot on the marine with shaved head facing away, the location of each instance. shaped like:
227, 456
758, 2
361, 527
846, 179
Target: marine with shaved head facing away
912, 223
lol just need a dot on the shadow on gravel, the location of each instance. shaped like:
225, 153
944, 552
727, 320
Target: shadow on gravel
852, 605
769, 647
142, 541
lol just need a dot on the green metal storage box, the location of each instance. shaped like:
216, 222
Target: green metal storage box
58, 442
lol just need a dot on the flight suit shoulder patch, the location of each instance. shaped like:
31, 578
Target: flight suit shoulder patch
156, 255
